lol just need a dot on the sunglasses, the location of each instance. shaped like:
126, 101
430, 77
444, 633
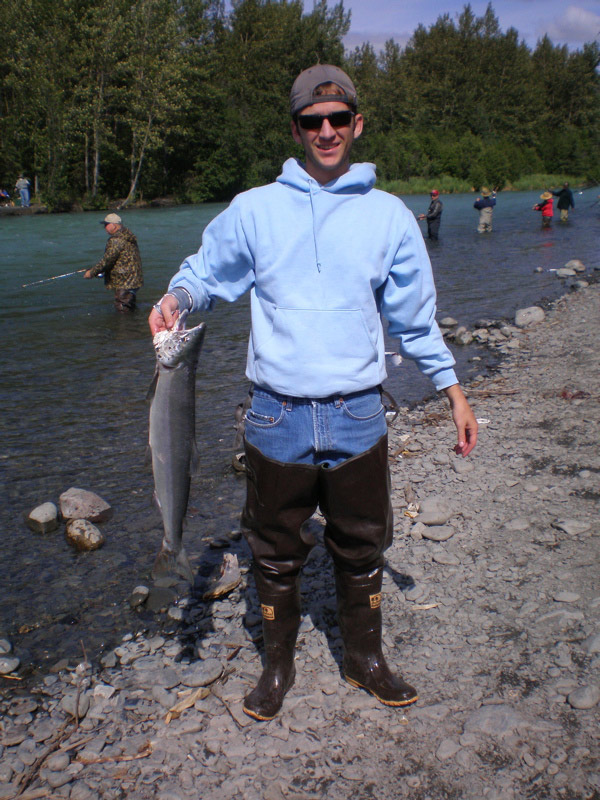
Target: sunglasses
314, 122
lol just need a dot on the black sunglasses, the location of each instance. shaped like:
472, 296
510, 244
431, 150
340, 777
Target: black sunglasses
314, 122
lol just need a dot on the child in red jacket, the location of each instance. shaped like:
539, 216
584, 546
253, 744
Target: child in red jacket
546, 207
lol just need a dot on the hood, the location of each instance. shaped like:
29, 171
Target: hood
125, 233
359, 179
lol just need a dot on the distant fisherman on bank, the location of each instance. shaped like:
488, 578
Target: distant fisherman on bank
485, 205
121, 263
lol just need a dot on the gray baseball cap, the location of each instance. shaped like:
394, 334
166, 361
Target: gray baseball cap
302, 93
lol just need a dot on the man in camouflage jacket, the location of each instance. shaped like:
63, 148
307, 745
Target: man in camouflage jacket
121, 263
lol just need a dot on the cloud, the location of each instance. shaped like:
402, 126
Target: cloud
576, 26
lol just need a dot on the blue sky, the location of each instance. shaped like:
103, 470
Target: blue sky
565, 23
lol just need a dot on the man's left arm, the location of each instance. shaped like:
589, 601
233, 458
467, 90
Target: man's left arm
464, 420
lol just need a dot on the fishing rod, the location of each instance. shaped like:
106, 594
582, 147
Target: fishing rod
54, 278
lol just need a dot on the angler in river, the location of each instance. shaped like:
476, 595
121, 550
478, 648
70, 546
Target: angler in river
121, 264
323, 254
172, 438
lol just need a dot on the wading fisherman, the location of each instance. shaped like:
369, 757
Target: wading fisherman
433, 215
121, 263
322, 253
565, 201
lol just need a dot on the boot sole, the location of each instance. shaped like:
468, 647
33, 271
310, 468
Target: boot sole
395, 703
257, 716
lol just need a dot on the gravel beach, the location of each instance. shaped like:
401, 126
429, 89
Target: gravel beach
491, 609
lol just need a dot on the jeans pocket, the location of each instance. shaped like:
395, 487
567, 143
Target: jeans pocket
363, 406
266, 411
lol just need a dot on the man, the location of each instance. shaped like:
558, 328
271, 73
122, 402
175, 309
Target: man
485, 205
322, 253
433, 215
22, 186
121, 263
565, 201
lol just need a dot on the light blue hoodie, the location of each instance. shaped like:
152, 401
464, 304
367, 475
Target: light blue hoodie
321, 264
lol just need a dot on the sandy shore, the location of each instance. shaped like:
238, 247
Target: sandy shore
493, 612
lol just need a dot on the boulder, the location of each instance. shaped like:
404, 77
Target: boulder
526, 317
575, 264
43, 519
565, 272
448, 322
463, 336
82, 504
84, 535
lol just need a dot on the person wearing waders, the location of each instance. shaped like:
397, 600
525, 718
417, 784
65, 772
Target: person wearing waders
433, 215
485, 205
121, 264
323, 254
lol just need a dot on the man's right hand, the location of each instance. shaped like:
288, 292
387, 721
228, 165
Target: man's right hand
167, 317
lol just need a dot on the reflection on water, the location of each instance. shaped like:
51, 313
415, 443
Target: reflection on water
75, 375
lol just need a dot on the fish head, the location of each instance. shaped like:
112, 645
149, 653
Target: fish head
179, 345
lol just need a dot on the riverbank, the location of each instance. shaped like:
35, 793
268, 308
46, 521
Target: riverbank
494, 615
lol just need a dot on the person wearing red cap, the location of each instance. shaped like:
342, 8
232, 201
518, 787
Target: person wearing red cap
325, 255
433, 215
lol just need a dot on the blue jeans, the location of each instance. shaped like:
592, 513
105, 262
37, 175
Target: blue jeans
24, 197
326, 432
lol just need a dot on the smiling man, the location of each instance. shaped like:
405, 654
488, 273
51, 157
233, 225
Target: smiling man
324, 255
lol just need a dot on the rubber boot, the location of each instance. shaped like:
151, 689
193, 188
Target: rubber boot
359, 616
280, 498
281, 621
355, 501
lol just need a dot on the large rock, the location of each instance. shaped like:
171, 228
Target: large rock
575, 264
526, 317
43, 519
82, 504
84, 535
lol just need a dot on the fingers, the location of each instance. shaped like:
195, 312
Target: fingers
156, 322
164, 314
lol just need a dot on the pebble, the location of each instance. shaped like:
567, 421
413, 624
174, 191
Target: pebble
585, 697
438, 533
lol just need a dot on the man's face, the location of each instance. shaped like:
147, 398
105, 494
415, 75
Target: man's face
327, 150
111, 227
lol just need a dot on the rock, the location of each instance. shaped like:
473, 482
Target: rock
82, 504
566, 597
43, 519
434, 510
461, 466
202, 673
447, 749
9, 664
463, 336
448, 322
591, 645
526, 317
438, 533
139, 596
572, 527
575, 264
585, 697
5, 647
83, 704
502, 720
445, 558
565, 273
84, 535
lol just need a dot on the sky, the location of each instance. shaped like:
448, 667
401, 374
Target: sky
567, 23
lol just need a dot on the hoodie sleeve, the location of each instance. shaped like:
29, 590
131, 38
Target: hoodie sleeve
223, 268
409, 304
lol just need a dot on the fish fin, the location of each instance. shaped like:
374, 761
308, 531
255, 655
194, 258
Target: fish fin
168, 563
152, 387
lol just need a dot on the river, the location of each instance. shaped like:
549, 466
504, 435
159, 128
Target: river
75, 375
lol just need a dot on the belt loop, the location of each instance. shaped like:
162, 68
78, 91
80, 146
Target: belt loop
287, 404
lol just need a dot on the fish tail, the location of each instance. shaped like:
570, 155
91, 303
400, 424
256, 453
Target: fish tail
168, 563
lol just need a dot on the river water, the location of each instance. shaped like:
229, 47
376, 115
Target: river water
75, 375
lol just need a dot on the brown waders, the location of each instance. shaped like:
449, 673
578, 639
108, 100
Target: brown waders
354, 498
125, 299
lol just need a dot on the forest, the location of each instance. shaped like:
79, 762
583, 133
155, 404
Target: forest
137, 99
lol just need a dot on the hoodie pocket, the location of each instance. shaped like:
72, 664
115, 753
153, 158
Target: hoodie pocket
328, 343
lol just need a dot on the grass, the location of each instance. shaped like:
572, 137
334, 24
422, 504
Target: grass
446, 184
